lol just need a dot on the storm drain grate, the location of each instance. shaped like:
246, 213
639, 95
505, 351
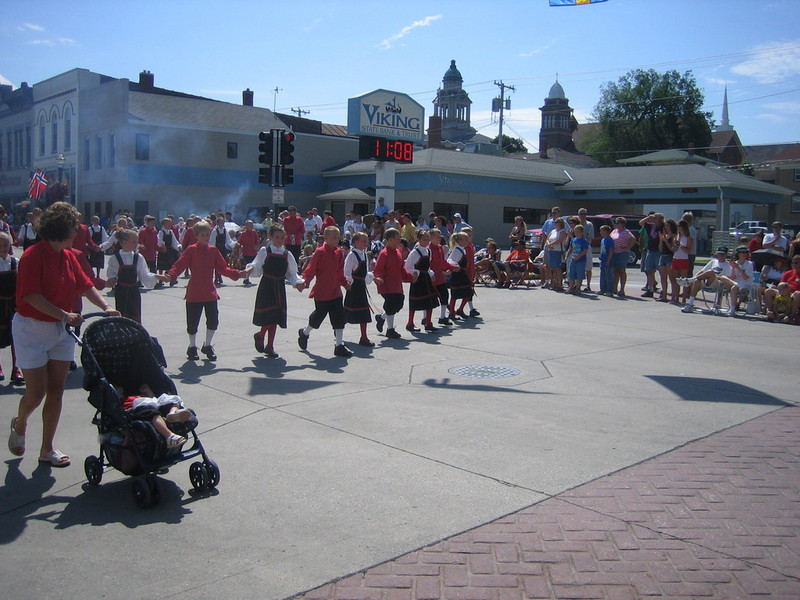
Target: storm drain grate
484, 371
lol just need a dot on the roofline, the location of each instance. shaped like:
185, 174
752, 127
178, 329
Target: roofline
432, 168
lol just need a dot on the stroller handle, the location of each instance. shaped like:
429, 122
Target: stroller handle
86, 317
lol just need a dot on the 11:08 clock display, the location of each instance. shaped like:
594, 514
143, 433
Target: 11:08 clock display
375, 148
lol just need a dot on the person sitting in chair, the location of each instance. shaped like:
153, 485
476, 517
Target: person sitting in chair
517, 263
717, 272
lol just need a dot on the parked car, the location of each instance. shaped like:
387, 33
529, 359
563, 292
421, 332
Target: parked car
743, 227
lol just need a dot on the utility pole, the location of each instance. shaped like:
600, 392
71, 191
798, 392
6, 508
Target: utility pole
504, 105
300, 112
275, 97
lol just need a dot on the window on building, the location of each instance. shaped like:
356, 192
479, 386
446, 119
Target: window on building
54, 137
233, 150
8, 150
412, 208
86, 154
28, 149
112, 150
797, 174
1, 153
531, 216
142, 146
98, 153
448, 210
67, 135
41, 140
16, 149
796, 203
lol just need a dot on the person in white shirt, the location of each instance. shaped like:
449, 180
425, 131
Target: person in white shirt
774, 240
126, 268
310, 224
717, 272
317, 218
742, 278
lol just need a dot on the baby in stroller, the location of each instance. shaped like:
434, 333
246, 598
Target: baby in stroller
166, 413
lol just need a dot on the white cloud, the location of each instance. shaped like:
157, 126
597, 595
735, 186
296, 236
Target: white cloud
772, 62
61, 41
771, 117
785, 107
718, 81
536, 51
388, 42
30, 27
4, 81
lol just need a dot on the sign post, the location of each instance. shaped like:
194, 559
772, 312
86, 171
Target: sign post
383, 115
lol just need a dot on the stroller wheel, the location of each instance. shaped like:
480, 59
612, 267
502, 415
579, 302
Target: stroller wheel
93, 469
213, 473
198, 475
152, 483
141, 493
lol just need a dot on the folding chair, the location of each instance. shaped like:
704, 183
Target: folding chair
527, 278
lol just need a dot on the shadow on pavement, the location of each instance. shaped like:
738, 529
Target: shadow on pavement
26, 494
715, 390
446, 383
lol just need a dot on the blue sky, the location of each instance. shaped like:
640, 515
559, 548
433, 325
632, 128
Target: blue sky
321, 53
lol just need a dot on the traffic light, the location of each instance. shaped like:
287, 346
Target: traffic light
265, 148
287, 176
286, 148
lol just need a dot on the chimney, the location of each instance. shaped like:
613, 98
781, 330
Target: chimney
434, 132
146, 79
247, 97
543, 147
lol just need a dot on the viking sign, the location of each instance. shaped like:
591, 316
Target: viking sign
386, 114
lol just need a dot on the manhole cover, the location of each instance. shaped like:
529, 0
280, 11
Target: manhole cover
484, 371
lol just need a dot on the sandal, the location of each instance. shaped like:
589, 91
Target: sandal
178, 416
55, 458
173, 441
16, 442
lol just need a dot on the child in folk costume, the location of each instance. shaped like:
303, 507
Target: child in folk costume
356, 302
8, 291
327, 265
169, 249
126, 269
389, 276
148, 242
460, 284
421, 294
99, 236
275, 264
440, 267
201, 293
470, 248
248, 243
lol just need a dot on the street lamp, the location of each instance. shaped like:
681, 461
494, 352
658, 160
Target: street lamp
60, 160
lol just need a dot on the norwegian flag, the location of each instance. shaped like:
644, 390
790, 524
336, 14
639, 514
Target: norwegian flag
37, 185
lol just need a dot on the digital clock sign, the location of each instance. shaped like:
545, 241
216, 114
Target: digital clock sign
375, 148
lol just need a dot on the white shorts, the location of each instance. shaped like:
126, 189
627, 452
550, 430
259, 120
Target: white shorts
589, 259
37, 342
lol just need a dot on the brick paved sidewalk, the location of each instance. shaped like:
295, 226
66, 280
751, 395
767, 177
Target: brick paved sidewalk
717, 518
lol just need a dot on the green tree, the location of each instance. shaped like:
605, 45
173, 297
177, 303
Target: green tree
646, 111
512, 145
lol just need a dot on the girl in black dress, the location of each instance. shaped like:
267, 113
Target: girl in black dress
275, 264
422, 294
8, 292
356, 302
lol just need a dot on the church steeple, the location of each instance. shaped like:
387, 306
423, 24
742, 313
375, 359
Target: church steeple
724, 123
558, 122
452, 104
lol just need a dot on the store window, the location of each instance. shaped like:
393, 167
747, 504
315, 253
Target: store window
233, 150
142, 146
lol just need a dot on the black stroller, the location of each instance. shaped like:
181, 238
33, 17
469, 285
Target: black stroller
117, 352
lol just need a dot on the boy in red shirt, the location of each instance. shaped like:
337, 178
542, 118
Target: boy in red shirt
201, 293
248, 244
148, 242
327, 265
389, 275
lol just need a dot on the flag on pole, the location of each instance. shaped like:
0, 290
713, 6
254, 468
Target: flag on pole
37, 185
573, 2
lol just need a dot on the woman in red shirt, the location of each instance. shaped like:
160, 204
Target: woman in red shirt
48, 278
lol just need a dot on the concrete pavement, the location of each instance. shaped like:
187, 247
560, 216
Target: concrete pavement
331, 466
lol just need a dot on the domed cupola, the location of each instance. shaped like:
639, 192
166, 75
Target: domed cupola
452, 104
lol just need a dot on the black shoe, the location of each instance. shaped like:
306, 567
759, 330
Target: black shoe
159, 285
302, 339
430, 327
270, 352
366, 342
72, 365
392, 333
445, 321
379, 321
341, 350
462, 314
410, 327
474, 313
172, 283
209, 352
191, 353
647, 294
259, 341
16, 377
